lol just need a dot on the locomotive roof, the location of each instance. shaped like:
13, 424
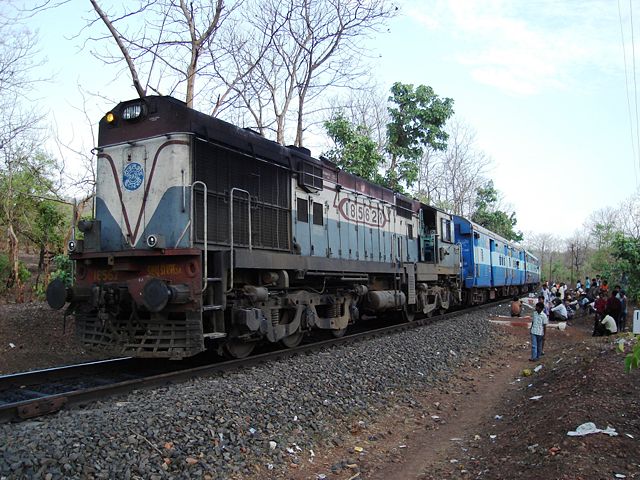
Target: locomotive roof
162, 115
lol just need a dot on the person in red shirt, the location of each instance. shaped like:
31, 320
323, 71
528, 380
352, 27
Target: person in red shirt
614, 305
600, 306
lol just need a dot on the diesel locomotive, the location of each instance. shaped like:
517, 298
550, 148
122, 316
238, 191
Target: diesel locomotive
206, 235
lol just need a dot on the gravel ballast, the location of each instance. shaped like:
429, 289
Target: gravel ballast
259, 419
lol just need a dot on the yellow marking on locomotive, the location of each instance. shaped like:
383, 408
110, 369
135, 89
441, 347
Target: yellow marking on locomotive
104, 276
164, 270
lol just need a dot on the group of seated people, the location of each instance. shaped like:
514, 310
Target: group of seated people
561, 304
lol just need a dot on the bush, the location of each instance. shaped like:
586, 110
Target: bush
4, 268
23, 273
62, 269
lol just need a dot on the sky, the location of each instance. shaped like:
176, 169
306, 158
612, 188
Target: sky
546, 85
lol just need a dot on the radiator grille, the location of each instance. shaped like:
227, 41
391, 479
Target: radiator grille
222, 169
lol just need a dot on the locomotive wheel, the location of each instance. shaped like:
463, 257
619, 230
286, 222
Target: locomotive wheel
238, 349
408, 315
339, 333
293, 340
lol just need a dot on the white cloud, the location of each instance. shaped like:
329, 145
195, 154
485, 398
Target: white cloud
524, 48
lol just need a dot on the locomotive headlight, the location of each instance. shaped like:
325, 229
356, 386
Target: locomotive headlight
155, 241
152, 241
132, 112
110, 117
71, 246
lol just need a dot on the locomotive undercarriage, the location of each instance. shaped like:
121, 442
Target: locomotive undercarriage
159, 309
285, 316
257, 314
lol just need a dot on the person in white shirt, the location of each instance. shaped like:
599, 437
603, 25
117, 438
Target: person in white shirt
607, 326
538, 322
559, 312
562, 290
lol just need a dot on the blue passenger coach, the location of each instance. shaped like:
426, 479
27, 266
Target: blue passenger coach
492, 266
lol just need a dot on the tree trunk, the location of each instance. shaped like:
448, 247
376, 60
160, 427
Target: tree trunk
14, 278
280, 129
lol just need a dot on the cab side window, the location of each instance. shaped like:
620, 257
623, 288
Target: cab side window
303, 210
445, 229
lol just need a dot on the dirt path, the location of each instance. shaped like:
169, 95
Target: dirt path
460, 411
483, 423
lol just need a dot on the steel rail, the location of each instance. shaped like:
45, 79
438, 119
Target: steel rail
45, 404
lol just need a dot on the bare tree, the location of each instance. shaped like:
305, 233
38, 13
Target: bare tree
366, 105
451, 178
161, 42
314, 45
431, 183
577, 247
546, 247
629, 216
601, 225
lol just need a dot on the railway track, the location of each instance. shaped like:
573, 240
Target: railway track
40, 392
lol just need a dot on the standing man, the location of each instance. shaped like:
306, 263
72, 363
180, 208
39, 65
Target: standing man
538, 322
623, 316
613, 307
547, 298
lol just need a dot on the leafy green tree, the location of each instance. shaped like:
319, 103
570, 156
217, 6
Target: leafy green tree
418, 117
417, 121
47, 230
23, 184
63, 269
488, 214
355, 151
623, 268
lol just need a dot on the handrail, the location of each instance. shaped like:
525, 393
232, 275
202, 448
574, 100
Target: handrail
233, 190
205, 278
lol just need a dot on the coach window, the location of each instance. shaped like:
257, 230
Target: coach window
303, 210
410, 231
317, 214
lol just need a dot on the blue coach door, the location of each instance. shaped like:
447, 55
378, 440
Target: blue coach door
494, 258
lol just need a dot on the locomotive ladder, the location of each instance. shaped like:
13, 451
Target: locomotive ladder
410, 273
213, 300
231, 245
